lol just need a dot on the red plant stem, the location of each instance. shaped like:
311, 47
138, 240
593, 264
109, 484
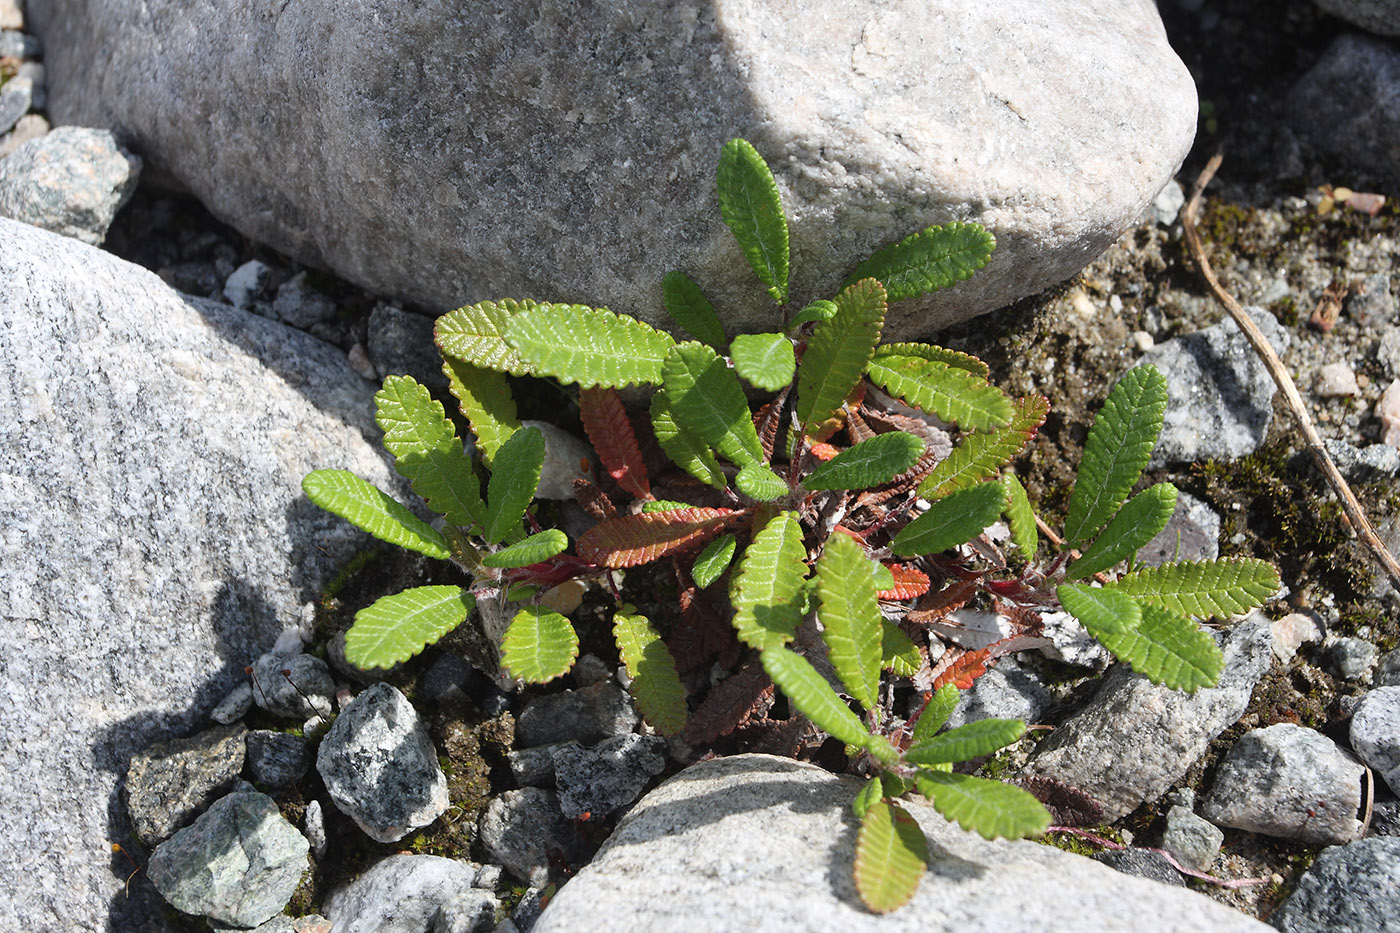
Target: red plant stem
1190, 872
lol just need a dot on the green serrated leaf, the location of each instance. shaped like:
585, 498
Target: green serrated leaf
1117, 450
955, 519
927, 351
764, 360
760, 483
884, 578
989, 808
935, 257
1204, 589
953, 394
1170, 650
476, 335
750, 206
707, 401
590, 346
810, 693
514, 479
532, 550
691, 309
395, 628
816, 311
655, 684
1136, 523
1020, 516
539, 645
426, 450
484, 398
870, 792
767, 591
871, 462
665, 505
838, 352
901, 656
850, 617
713, 560
935, 715
685, 450
978, 457
365, 506
966, 742
1103, 612
891, 855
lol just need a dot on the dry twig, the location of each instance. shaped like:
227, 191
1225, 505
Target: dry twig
1352, 508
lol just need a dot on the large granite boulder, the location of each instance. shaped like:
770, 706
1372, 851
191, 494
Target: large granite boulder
155, 541
445, 153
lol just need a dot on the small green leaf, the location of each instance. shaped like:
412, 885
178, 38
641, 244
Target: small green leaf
816, 311
884, 578
590, 346
760, 483
1204, 589
514, 479
484, 398
665, 505
539, 645
928, 351
365, 506
1170, 650
989, 808
870, 792
1020, 516
707, 401
955, 519
1136, 523
965, 743
764, 360
655, 683
838, 351
750, 206
712, 561
691, 309
767, 590
953, 394
978, 457
935, 715
891, 855
532, 550
901, 656
395, 628
1116, 452
426, 450
685, 449
801, 683
1103, 612
871, 462
935, 257
476, 335
850, 617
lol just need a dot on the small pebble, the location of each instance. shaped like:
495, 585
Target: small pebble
1336, 380
1293, 631
1388, 410
1143, 341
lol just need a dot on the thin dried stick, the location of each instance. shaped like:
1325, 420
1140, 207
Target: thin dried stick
1352, 508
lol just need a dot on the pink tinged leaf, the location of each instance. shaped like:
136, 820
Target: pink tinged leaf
630, 540
608, 427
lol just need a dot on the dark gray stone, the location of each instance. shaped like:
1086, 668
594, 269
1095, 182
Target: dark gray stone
235, 705
401, 343
1385, 818
524, 831
1349, 889
1192, 533
16, 44
1378, 16
586, 715
1143, 864
400, 894
277, 760
239, 863
1371, 305
1195, 842
1369, 464
71, 181
1346, 106
1351, 658
169, 783
1388, 670
534, 766
299, 304
1375, 733
608, 776
16, 97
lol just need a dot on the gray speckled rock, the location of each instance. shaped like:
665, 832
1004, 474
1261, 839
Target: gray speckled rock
399, 894
1143, 864
525, 832
522, 154
238, 863
1348, 104
1378, 16
71, 181
16, 97
306, 689
1287, 781
1349, 889
156, 539
585, 715
1135, 738
759, 843
170, 782
380, 767
1192, 533
1375, 733
1006, 691
1351, 658
1220, 396
401, 343
276, 760
1195, 842
608, 776
1388, 671
471, 911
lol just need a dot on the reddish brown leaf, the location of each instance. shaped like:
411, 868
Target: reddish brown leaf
594, 501
903, 483
769, 421
784, 738
611, 432
837, 420
856, 428
935, 606
909, 582
703, 634
629, 540
963, 671
1068, 806
744, 695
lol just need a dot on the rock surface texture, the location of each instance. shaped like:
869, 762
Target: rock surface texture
760, 843
1349, 889
72, 181
568, 153
150, 469
1347, 106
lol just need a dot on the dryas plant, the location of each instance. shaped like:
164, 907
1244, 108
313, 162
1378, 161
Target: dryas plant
850, 524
